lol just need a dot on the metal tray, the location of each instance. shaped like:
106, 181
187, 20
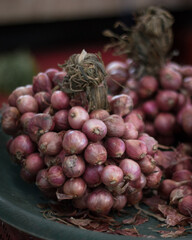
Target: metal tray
18, 207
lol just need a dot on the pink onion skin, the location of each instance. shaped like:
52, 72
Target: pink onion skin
121, 104
92, 175
115, 125
75, 187
61, 120
42, 181
95, 154
41, 82
136, 119
55, 176
19, 91
151, 143
165, 124
181, 175
111, 175
186, 121
100, 201
134, 197
73, 166
186, 70
185, 205
154, 178
74, 142
94, 129
150, 129
135, 149
166, 100
81, 202
77, 116
148, 85
120, 202
181, 101
25, 119
179, 193
54, 160
34, 163
10, 120
59, 77
100, 114
130, 131
27, 176
140, 183
147, 164
27, 103
51, 73
59, 100
150, 109
131, 169
38, 125
170, 78
115, 147
21, 146
50, 143
43, 99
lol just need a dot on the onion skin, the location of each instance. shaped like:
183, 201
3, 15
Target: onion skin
131, 169
120, 202
43, 99
10, 120
186, 121
151, 143
100, 201
150, 109
59, 77
81, 202
185, 205
50, 143
55, 176
51, 73
41, 82
94, 129
154, 178
27, 103
100, 114
61, 120
19, 91
59, 100
135, 118
130, 131
25, 119
74, 142
74, 187
54, 160
147, 164
34, 163
73, 166
165, 124
182, 175
27, 176
115, 125
111, 175
77, 116
134, 197
179, 193
92, 175
148, 85
42, 181
135, 149
115, 147
121, 104
166, 100
95, 154
140, 183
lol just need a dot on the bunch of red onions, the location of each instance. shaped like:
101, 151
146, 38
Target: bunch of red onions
99, 160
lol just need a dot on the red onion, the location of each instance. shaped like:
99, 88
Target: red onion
81, 202
59, 77
166, 100
140, 183
132, 84
111, 175
43, 99
38, 125
115, 147
154, 178
34, 163
21, 146
134, 197
94, 129
150, 109
54, 160
115, 125
95, 154
100, 114
136, 119
27, 176
74, 188
120, 202
55, 176
74, 142
151, 143
19, 91
27, 103
135, 149
92, 175
185, 205
130, 131
73, 166
121, 104
186, 70
186, 121
59, 100
42, 181
77, 116
181, 175
51, 73
10, 120
41, 82
61, 120
179, 193
170, 78
181, 101
100, 201
150, 128
148, 85
25, 119
50, 143
165, 124
186, 108
147, 164
131, 169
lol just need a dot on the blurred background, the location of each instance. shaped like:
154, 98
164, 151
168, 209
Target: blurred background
39, 34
